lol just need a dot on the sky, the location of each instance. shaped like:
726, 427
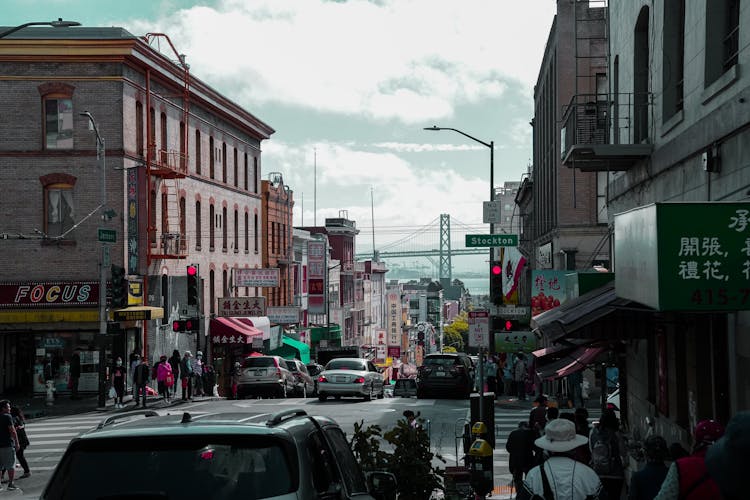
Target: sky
350, 85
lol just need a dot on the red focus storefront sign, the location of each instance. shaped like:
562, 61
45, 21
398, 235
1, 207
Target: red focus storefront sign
49, 294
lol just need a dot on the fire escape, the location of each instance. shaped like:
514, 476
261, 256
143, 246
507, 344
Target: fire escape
165, 167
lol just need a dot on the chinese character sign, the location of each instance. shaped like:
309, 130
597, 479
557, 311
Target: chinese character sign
242, 306
547, 290
256, 277
394, 319
316, 276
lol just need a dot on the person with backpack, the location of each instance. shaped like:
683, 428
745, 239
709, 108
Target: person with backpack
645, 484
688, 477
561, 477
607, 453
521, 452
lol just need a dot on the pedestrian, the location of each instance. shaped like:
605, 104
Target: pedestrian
553, 412
687, 477
582, 422
9, 444
727, 459
134, 362
645, 484
490, 372
575, 385
507, 379
174, 362
209, 379
521, 453
538, 416
198, 374
235, 375
411, 418
186, 373
560, 476
164, 377
519, 376
141, 377
19, 421
119, 374
608, 453
75, 373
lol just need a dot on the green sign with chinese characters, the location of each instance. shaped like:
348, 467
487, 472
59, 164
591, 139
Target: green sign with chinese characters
685, 256
491, 240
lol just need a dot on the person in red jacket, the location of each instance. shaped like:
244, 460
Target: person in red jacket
688, 478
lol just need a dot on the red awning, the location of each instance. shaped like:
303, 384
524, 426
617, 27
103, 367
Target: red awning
226, 330
577, 360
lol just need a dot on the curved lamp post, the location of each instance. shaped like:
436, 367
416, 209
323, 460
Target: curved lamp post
55, 24
490, 145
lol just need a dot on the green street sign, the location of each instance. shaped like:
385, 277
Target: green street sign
491, 240
107, 235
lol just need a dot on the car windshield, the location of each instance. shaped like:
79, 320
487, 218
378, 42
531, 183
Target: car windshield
441, 361
291, 365
176, 467
345, 364
258, 362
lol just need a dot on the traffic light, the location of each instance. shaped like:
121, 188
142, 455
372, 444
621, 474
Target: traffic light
193, 279
192, 324
496, 282
119, 287
509, 325
179, 325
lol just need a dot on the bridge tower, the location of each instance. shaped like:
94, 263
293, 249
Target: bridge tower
446, 270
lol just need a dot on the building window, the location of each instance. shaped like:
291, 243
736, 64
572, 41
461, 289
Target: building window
255, 231
152, 132
224, 228
211, 162
722, 37
255, 174
247, 233
197, 225
164, 142
224, 162
58, 122
59, 206
152, 219
641, 65
139, 129
211, 224
673, 75
198, 152
183, 216
246, 172
183, 151
236, 231
164, 213
236, 170
212, 290
224, 284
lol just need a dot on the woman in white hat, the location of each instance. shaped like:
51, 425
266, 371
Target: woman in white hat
560, 476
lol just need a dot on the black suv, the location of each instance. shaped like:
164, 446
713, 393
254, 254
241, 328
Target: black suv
219, 456
443, 373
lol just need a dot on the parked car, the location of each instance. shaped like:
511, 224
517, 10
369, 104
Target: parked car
289, 456
445, 373
350, 377
303, 382
265, 375
314, 370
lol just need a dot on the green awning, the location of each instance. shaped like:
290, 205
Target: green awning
292, 348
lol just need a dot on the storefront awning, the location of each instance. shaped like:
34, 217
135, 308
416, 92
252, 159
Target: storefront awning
578, 313
293, 348
261, 323
576, 360
225, 330
138, 313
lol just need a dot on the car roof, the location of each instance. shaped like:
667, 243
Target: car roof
148, 423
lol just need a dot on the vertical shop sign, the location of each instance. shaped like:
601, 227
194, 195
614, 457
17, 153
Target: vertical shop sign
394, 323
132, 221
316, 277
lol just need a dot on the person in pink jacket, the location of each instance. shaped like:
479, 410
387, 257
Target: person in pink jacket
164, 377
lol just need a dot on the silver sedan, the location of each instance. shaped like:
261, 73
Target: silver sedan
350, 377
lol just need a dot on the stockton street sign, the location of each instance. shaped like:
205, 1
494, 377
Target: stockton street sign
491, 240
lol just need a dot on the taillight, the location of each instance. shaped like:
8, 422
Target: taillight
278, 373
458, 370
322, 378
359, 380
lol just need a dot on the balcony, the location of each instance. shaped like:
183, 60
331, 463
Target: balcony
606, 135
168, 164
170, 246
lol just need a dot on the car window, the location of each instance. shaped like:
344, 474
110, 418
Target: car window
321, 465
258, 362
291, 365
352, 475
219, 467
441, 360
303, 369
313, 370
371, 367
345, 364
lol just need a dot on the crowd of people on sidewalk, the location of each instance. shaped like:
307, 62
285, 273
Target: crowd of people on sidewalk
556, 455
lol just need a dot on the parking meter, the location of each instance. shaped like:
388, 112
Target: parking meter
480, 461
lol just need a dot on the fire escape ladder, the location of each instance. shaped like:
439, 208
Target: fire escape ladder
172, 240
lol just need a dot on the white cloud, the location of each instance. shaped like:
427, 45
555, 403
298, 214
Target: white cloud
413, 60
405, 147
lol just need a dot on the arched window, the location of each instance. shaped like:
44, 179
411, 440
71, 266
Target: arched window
247, 233
198, 152
212, 290
183, 216
224, 228
211, 225
198, 225
57, 103
255, 231
236, 232
59, 205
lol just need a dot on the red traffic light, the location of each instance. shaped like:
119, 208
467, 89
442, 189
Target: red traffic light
496, 269
508, 325
192, 270
178, 326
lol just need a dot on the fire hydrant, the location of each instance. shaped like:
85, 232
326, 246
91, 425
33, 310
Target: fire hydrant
50, 392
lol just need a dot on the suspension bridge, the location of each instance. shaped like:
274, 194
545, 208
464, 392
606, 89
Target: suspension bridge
441, 239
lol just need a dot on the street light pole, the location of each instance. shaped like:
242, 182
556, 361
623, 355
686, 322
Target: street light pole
101, 160
490, 145
55, 24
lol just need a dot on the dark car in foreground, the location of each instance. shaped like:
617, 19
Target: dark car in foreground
445, 373
290, 455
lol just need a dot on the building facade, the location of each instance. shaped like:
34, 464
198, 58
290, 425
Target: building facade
277, 209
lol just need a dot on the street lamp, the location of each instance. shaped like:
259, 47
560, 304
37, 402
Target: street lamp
55, 24
490, 145
100, 158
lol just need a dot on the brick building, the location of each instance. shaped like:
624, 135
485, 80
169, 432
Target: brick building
277, 209
182, 186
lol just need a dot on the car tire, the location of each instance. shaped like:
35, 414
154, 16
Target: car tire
322, 397
368, 396
281, 392
304, 390
420, 394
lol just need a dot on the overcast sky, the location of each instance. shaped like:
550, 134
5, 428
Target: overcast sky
353, 84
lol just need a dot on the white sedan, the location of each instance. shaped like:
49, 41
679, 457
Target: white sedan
350, 377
